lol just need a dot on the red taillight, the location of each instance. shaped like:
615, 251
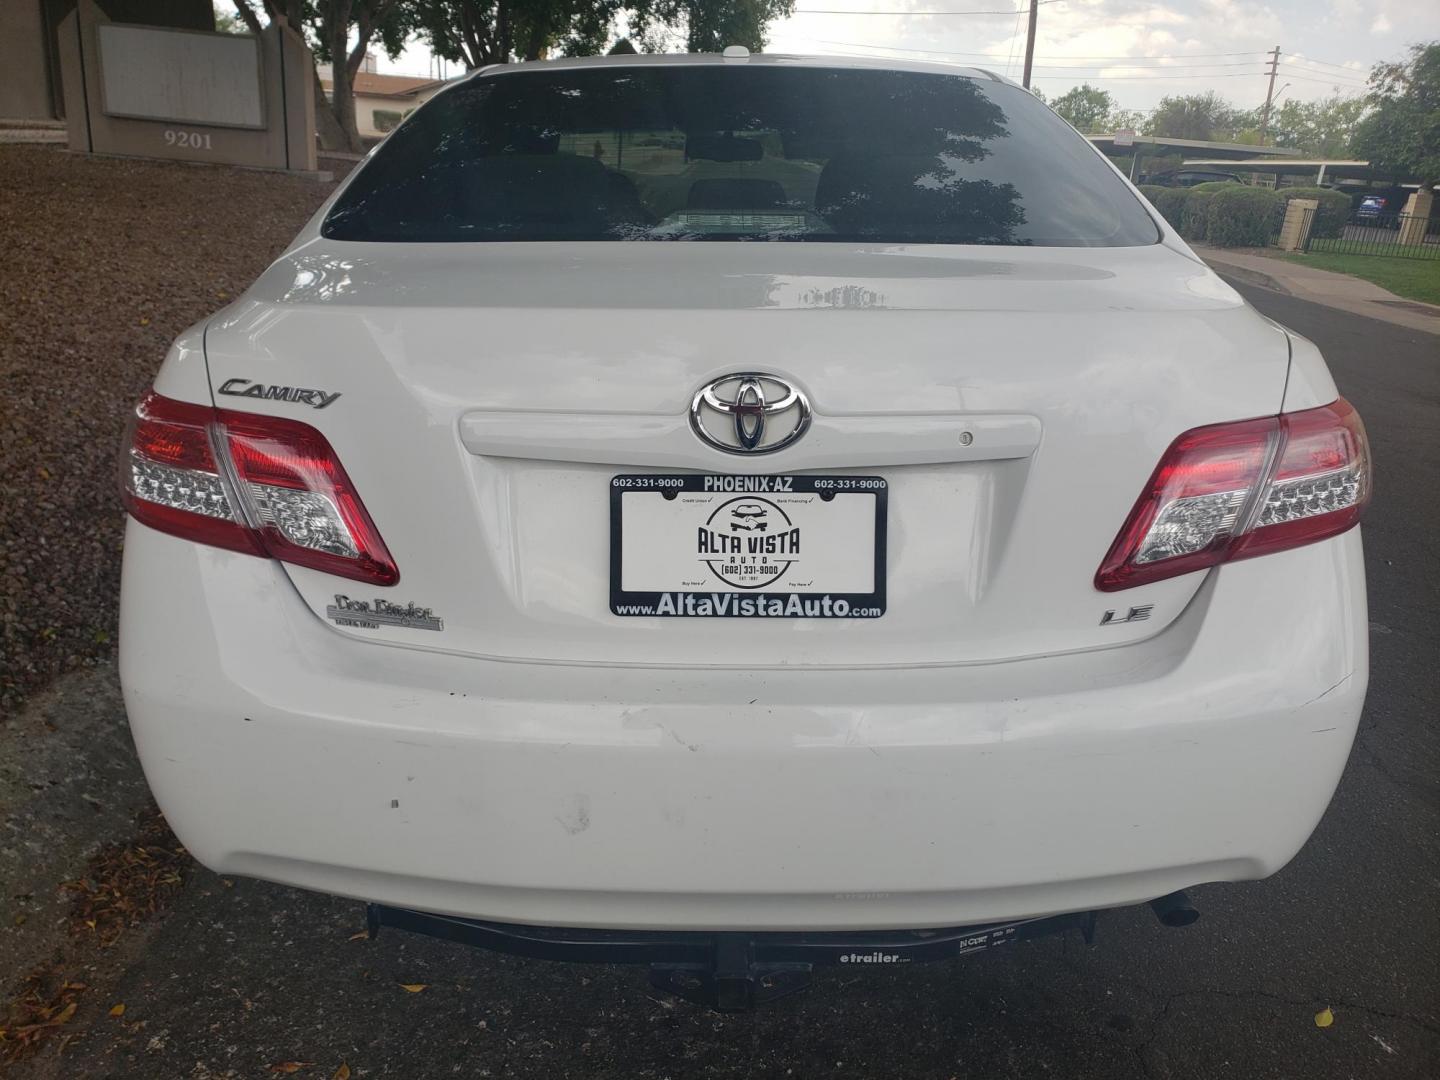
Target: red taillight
170, 480
1232, 491
259, 484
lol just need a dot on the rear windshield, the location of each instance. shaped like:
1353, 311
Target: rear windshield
738, 153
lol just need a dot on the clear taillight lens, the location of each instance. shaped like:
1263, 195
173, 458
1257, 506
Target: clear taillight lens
259, 484
1232, 491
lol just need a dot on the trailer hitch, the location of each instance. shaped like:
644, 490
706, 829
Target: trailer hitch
730, 971
734, 981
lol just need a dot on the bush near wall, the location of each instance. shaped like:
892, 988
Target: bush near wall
1244, 217
1216, 185
1152, 191
1194, 214
1334, 209
1171, 204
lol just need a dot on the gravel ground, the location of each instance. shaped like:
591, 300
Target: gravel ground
105, 262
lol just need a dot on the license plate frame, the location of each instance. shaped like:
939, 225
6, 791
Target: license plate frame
767, 599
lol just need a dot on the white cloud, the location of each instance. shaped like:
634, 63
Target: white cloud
1139, 50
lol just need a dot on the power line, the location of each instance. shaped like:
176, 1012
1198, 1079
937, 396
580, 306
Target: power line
1326, 63
1354, 76
1172, 56
1255, 54
1327, 82
993, 58
1014, 39
913, 14
1144, 78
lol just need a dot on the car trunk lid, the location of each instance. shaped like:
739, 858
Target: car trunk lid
1013, 400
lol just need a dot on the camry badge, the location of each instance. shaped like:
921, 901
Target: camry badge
749, 412
301, 395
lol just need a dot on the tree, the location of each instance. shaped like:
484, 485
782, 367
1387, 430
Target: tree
225, 23
328, 26
1205, 116
1402, 136
1125, 120
481, 32
1086, 108
710, 25
1318, 128
478, 33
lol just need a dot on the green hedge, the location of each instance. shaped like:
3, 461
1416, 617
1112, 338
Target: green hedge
1171, 204
1244, 217
1152, 191
1216, 185
1333, 213
1195, 214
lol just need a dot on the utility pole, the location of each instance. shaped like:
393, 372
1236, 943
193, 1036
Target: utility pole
1269, 93
1030, 45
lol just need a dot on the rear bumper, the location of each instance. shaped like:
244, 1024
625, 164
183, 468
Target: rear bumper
668, 799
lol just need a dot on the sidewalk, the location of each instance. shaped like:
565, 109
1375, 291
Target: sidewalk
1341, 291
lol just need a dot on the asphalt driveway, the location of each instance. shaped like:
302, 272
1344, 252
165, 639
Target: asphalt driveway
245, 979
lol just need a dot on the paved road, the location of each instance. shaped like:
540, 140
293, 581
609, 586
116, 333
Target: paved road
237, 979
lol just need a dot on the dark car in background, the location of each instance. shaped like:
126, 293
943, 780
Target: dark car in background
1380, 206
1190, 177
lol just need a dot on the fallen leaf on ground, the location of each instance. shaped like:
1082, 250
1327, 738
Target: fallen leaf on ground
342, 1073
290, 1066
128, 882
45, 1002
363, 935
1324, 1018
117, 1010
413, 988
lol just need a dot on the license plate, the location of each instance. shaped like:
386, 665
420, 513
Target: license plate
713, 546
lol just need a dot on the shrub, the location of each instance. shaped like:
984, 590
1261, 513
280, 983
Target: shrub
387, 119
1215, 185
1152, 191
1171, 204
1194, 215
1334, 208
1244, 217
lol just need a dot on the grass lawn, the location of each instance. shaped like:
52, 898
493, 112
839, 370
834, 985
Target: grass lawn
1416, 279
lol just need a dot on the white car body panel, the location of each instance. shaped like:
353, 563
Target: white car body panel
587, 795
1059, 345
987, 750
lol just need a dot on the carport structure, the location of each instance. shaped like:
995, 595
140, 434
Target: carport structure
1121, 144
1317, 169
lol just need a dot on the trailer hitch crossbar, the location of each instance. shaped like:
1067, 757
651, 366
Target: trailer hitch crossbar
728, 970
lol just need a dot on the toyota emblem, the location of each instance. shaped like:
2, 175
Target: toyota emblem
749, 412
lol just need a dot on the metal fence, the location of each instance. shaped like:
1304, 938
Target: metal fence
1396, 235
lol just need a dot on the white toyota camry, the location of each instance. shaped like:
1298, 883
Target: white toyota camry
737, 514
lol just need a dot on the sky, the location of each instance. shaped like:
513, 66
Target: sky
1138, 50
